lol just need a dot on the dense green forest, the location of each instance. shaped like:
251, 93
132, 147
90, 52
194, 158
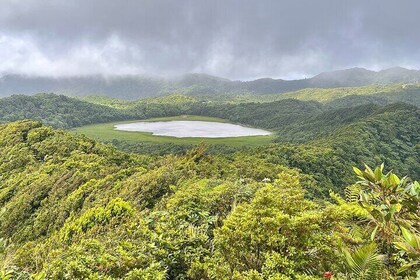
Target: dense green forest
75, 208
85, 210
57, 110
209, 140
369, 133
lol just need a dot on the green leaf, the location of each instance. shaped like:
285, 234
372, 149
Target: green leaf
394, 180
407, 266
358, 171
378, 173
403, 246
406, 234
369, 174
372, 236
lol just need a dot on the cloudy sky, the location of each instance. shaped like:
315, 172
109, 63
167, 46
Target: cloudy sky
237, 39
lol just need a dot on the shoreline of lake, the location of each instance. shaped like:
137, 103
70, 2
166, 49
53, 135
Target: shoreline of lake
192, 129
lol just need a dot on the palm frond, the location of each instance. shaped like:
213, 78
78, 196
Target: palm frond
365, 262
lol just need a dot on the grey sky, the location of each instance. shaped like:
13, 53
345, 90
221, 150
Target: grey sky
237, 39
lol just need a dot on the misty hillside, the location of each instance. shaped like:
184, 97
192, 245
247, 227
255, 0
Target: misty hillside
134, 87
361, 76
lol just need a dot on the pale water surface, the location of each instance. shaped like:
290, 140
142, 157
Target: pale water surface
183, 129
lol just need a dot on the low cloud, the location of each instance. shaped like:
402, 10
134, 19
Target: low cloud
237, 39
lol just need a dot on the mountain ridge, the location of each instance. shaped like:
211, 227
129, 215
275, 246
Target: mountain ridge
135, 87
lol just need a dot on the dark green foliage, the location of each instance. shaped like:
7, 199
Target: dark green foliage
333, 139
57, 110
266, 115
72, 208
109, 213
367, 134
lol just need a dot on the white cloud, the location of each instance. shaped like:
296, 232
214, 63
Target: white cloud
24, 55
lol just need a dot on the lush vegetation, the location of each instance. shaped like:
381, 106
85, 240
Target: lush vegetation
385, 93
57, 110
274, 113
342, 97
288, 206
73, 208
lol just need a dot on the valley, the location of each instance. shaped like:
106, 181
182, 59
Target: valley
209, 140
130, 204
107, 133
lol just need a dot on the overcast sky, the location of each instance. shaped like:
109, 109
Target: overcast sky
237, 39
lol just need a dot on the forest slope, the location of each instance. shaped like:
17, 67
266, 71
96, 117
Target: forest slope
72, 208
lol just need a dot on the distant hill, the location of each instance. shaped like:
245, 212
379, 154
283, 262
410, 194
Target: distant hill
57, 110
135, 87
361, 77
128, 87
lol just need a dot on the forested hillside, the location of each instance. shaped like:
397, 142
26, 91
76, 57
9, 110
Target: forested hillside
390, 134
209, 140
133, 87
57, 110
369, 133
66, 112
76, 209
341, 97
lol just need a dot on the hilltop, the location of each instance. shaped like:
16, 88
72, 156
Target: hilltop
135, 87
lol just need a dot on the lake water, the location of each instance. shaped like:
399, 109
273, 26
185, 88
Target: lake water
200, 129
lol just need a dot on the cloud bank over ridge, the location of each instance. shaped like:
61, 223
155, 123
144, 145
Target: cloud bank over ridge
237, 39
